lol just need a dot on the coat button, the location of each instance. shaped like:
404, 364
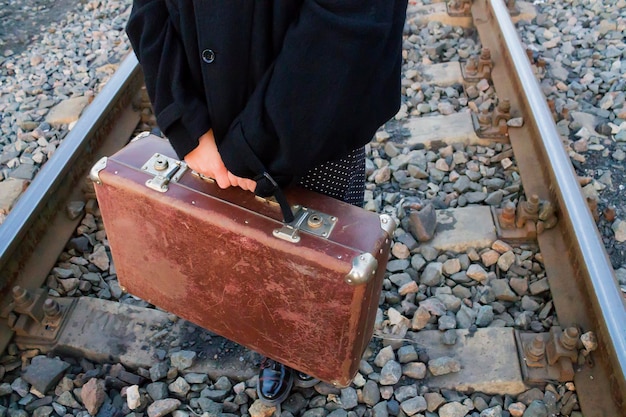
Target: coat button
208, 56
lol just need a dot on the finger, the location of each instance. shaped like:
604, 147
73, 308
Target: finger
222, 179
248, 184
233, 179
243, 183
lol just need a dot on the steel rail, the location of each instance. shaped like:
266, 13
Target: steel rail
41, 200
575, 245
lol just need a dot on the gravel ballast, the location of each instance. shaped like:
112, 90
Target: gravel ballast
582, 44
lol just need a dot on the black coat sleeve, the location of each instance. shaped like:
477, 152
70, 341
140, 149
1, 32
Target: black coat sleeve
334, 82
175, 91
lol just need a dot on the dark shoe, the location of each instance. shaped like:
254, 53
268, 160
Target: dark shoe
275, 382
303, 380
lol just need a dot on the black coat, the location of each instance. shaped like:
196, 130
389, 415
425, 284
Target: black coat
284, 84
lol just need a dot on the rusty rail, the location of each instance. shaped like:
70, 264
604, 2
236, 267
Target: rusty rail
576, 262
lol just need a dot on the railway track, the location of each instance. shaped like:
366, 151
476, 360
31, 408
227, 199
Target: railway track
507, 127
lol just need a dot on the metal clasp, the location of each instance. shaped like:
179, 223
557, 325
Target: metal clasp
165, 170
307, 220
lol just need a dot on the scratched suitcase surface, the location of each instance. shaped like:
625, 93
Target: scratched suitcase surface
305, 294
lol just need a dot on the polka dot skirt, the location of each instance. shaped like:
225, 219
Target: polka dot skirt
343, 179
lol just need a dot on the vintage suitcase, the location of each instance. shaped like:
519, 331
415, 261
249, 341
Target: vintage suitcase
304, 293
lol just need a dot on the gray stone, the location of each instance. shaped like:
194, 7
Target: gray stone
179, 386
530, 304
414, 405
533, 394
453, 409
67, 399
477, 273
16, 412
349, 398
485, 316
400, 279
475, 197
432, 275
492, 412
338, 413
465, 317
405, 392
365, 368
539, 287
162, 408
371, 393
5, 389
295, 403
43, 411
43, 372
462, 184
423, 223
209, 406
398, 265
445, 108
429, 253
195, 378
536, 409
506, 260
460, 278
451, 302
223, 383
20, 386
448, 337
315, 412
502, 290
100, 258
157, 390
391, 373
59, 409
380, 410
183, 359
462, 292
434, 306
24, 172
443, 365
418, 262
446, 323
415, 370
214, 394
494, 198
385, 355
524, 320
407, 354
158, 371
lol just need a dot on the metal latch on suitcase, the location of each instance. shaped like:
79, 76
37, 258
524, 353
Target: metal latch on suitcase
310, 221
165, 170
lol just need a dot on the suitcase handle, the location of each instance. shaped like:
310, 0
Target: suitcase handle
166, 169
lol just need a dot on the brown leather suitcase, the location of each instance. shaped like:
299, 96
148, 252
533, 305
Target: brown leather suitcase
304, 293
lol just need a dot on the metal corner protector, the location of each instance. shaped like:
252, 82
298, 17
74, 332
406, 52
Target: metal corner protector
363, 269
94, 172
388, 224
140, 135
